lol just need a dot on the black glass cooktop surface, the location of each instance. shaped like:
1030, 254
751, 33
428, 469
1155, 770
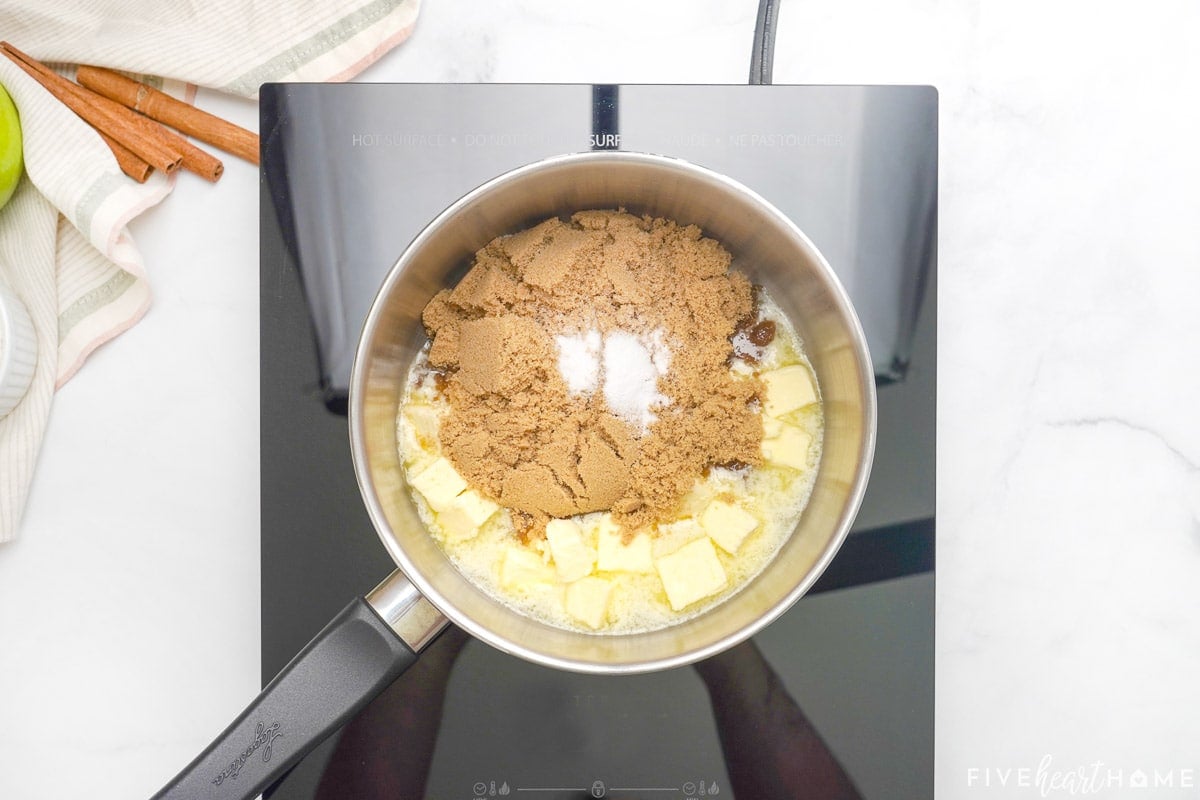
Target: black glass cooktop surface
351, 173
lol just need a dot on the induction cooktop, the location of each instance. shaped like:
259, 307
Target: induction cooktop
351, 173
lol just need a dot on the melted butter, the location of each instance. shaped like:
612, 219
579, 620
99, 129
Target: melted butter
776, 495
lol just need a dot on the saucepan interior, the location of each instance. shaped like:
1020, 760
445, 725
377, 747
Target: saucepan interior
765, 245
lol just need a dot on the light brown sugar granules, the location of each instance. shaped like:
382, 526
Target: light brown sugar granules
586, 367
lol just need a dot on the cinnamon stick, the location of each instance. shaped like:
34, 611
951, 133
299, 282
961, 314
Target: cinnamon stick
157, 105
111, 114
148, 148
129, 163
194, 159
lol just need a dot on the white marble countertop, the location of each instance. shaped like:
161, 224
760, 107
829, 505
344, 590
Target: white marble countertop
1068, 604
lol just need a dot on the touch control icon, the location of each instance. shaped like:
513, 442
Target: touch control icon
490, 789
696, 789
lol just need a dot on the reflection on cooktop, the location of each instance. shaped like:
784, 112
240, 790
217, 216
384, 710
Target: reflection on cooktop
854, 167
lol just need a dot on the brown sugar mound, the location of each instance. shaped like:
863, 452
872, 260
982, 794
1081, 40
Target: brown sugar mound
641, 406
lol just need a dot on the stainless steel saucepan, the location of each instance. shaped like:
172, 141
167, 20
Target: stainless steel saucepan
377, 637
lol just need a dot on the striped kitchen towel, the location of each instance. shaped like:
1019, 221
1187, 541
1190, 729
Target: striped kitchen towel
65, 248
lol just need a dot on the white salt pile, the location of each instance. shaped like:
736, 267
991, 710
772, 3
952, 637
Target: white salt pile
625, 365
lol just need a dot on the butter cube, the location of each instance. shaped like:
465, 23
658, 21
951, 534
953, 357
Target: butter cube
614, 555
670, 537
788, 388
522, 569
439, 484
423, 422
771, 427
592, 524
691, 573
573, 557
466, 515
456, 525
587, 600
789, 448
727, 524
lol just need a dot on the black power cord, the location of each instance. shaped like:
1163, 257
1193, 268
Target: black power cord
763, 56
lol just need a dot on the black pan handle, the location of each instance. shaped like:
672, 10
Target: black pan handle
347, 664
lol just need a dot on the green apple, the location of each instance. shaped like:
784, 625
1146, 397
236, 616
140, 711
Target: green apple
10, 147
